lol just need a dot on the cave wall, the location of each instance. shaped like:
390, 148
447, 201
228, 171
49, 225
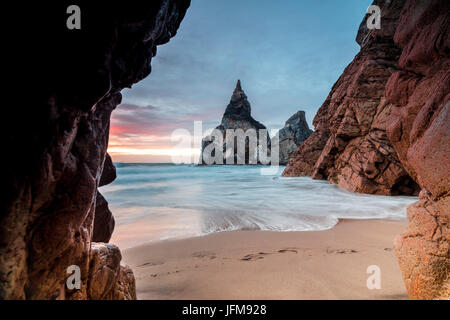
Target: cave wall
57, 139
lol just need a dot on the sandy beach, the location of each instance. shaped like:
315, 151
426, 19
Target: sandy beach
329, 264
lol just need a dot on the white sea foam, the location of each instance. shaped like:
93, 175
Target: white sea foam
162, 201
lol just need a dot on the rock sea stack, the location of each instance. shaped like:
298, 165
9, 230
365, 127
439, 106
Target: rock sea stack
237, 116
292, 135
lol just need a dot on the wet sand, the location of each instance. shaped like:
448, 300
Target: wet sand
329, 264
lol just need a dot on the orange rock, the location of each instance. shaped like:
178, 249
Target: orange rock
419, 129
350, 146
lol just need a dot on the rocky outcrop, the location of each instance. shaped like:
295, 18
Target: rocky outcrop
302, 162
103, 218
57, 143
423, 250
292, 135
109, 279
237, 116
349, 146
419, 129
109, 172
392, 105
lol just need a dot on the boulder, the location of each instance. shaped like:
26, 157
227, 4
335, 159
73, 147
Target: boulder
109, 279
423, 249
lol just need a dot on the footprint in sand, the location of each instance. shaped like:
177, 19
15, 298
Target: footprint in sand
293, 250
254, 256
204, 254
151, 263
342, 251
260, 255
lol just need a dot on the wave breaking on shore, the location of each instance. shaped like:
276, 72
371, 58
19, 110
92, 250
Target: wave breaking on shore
153, 202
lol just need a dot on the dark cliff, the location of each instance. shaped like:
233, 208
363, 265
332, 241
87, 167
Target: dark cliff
58, 138
292, 135
237, 116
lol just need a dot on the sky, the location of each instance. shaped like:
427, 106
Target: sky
287, 54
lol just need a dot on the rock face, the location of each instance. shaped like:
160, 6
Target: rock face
237, 116
103, 218
109, 279
349, 146
419, 129
294, 132
388, 114
109, 172
57, 142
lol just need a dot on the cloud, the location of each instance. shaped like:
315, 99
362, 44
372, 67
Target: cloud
150, 126
287, 56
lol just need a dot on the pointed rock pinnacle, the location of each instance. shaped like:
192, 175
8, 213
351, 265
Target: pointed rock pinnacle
238, 86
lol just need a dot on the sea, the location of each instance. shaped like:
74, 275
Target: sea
155, 202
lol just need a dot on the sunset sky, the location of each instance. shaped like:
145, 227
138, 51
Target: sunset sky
288, 54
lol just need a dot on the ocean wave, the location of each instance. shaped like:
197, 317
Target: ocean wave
176, 201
